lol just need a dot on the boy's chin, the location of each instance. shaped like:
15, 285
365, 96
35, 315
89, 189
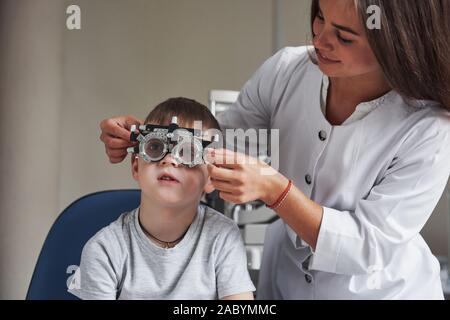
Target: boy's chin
173, 200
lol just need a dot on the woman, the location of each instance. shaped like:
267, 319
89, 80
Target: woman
364, 152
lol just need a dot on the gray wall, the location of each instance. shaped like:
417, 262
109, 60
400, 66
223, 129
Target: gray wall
57, 85
31, 66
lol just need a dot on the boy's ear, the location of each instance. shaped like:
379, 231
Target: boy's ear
209, 186
135, 167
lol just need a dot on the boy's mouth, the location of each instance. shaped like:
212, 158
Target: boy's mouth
167, 177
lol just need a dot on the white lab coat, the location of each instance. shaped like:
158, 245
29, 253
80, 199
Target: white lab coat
378, 176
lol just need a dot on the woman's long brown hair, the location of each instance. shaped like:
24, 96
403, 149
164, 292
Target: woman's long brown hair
412, 46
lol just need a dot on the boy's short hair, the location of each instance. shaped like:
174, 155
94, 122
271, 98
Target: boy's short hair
186, 110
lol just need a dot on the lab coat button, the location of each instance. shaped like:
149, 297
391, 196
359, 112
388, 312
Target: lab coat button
308, 179
323, 135
308, 278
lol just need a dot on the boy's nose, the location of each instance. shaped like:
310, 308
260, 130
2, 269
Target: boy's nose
168, 160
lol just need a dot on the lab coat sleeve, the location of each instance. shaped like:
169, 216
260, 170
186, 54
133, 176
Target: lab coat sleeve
255, 101
393, 213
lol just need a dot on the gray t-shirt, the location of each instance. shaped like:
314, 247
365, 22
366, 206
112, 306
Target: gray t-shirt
120, 262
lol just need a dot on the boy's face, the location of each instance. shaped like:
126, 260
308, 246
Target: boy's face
169, 184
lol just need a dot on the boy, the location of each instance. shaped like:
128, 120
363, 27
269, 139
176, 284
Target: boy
171, 246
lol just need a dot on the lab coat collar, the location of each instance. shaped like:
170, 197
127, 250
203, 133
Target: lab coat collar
362, 109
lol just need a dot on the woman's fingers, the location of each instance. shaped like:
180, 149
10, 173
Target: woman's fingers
223, 185
228, 159
234, 175
227, 196
130, 120
116, 136
115, 127
116, 160
116, 153
119, 127
115, 143
223, 174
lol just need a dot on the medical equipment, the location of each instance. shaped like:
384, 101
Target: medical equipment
252, 217
155, 142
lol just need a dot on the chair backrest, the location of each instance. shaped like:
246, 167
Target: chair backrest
61, 252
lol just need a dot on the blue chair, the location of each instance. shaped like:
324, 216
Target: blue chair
71, 230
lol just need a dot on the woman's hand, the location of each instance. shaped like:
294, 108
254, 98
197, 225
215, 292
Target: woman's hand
116, 136
241, 178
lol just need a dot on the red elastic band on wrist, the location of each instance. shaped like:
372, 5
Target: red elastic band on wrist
282, 196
